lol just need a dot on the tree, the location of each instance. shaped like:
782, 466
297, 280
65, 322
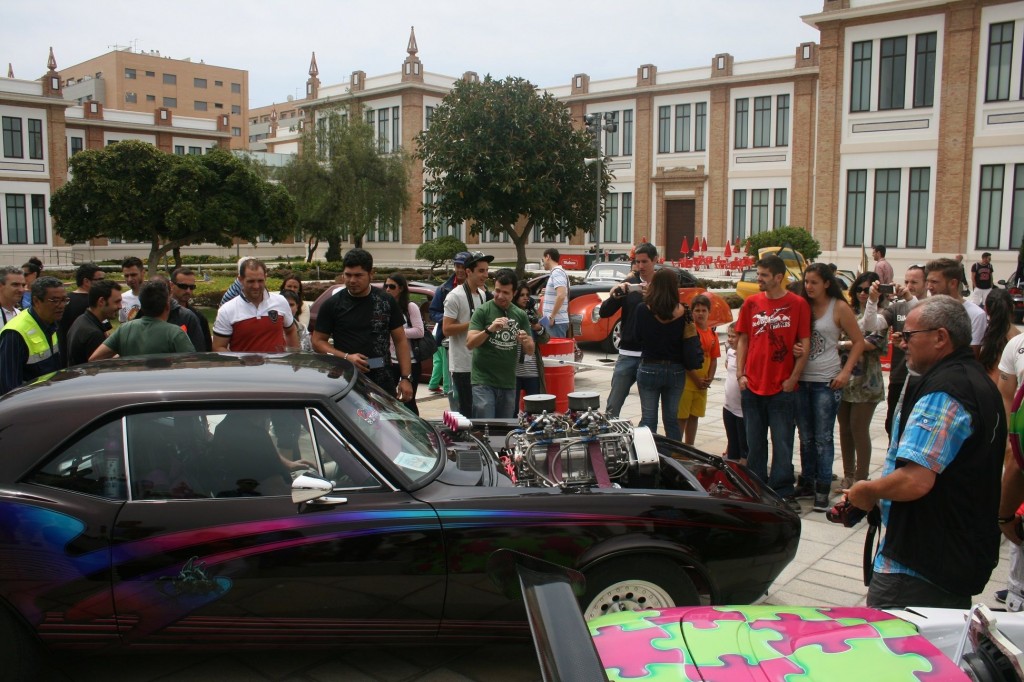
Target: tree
440, 250
797, 237
132, 191
507, 158
344, 183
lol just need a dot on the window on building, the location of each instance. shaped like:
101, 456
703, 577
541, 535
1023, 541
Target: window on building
382, 130
742, 122
151, 74
131, 97
200, 105
38, 219
218, 84
129, 74
1017, 209
35, 138
195, 151
199, 83
170, 101
236, 109
236, 131
892, 73
700, 126
218, 105
611, 139
611, 218
150, 98
627, 217
76, 145
17, 229
537, 237
739, 214
924, 70
779, 213
664, 130
782, 121
682, 128
427, 117
1000, 52
12, 138
383, 232
431, 231
170, 79
236, 87
179, 149
917, 207
627, 132
762, 121
860, 77
396, 129
885, 227
856, 203
990, 206
759, 211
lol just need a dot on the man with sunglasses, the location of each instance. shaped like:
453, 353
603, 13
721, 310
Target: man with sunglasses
28, 344
183, 284
939, 489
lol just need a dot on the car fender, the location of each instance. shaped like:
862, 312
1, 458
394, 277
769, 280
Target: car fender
622, 546
721, 313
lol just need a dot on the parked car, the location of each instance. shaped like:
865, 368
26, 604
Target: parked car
1016, 291
420, 293
224, 500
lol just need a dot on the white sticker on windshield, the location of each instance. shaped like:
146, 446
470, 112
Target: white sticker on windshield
407, 460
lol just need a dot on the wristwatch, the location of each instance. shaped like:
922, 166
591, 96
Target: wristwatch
408, 378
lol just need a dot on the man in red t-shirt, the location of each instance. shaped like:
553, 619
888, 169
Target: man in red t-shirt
769, 324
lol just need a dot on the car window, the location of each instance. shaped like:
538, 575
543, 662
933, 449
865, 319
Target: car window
93, 464
341, 465
224, 453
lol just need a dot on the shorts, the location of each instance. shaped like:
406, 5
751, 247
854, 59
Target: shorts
692, 404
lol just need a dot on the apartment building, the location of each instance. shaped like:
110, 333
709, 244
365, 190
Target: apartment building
146, 81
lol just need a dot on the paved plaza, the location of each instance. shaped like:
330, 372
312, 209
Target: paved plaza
826, 571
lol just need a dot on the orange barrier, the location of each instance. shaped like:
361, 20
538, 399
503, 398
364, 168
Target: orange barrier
559, 379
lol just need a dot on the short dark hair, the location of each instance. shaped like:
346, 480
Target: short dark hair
358, 258
102, 289
250, 264
700, 300
880, 248
947, 267
131, 262
506, 276
552, 252
773, 263
986, 255
153, 299
648, 249
85, 271
40, 286
292, 297
186, 271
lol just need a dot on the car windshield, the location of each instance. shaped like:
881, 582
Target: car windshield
409, 442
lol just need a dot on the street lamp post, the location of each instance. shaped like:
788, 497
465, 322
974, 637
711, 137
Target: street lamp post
595, 125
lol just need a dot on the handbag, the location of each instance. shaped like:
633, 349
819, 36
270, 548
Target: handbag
423, 348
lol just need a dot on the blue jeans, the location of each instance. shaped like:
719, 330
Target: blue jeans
490, 402
762, 413
623, 379
816, 408
660, 383
559, 331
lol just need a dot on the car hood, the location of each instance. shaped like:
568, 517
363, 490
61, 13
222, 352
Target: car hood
767, 643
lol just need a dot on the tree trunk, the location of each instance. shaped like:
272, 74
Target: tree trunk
312, 244
155, 254
177, 257
520, 241
333, 254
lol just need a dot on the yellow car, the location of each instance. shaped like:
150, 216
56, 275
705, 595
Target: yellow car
795, 265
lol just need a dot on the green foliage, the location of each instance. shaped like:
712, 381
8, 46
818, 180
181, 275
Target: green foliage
134, 192
343, 184
506, 158
440, 250
797, 237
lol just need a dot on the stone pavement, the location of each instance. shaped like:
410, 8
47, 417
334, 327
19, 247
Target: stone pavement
826, 572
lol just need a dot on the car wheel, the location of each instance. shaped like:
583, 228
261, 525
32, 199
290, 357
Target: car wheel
611, 344
637, 584
18, 650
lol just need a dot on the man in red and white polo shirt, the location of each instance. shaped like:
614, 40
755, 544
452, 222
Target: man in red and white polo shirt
258, 320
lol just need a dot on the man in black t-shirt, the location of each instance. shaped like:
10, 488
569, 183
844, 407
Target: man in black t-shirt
981, 279
90, 329
78, 303
362, 322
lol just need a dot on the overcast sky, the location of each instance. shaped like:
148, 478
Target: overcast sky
545, 41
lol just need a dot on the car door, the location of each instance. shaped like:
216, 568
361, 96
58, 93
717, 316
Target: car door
210, 548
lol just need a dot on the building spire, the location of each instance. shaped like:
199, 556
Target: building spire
10, 70
412, 49
412, 67
313, 70
313, 82
51, 63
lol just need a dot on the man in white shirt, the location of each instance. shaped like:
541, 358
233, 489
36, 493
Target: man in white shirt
458, 311
942, 276
556, 296
131, 269
12, 288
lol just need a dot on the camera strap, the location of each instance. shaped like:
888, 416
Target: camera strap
871, 543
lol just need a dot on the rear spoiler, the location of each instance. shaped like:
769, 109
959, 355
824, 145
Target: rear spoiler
549, 592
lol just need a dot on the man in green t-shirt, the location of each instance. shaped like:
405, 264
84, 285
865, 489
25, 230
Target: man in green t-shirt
149, 333
495, 333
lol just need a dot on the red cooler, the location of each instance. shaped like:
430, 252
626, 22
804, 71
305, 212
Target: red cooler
559, 373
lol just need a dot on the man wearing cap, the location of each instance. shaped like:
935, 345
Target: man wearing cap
459, 307
439, 376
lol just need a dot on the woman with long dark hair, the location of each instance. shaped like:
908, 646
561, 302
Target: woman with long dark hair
659, 325
820, 390
32, 270
530, 368
294, 283
397, 286
999, 308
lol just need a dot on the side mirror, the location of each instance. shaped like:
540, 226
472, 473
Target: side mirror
308, 487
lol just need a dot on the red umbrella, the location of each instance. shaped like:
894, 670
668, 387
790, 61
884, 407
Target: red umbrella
685, 248
704, 244
728, 250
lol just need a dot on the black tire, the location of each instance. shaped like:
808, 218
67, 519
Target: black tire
637, 583
19, 651
611, 344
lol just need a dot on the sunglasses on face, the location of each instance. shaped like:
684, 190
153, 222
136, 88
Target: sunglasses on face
390, 286
863, 290
190, 287
906, 335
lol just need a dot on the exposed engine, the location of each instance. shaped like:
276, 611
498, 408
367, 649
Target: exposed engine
581, 447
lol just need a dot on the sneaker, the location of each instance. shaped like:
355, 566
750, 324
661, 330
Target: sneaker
1001, 596
804, 490
436, 390
820, 502
846, 483
792, 504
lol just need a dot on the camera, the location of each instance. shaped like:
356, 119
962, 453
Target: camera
886, 288
846, 514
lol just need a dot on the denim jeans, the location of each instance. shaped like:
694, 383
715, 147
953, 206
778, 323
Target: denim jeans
490, 402
816, 408
623, 379
660, 383
559, 331
775, 413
